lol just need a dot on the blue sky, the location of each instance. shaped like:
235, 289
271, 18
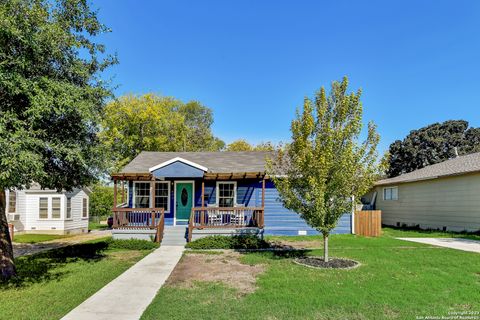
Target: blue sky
252, 62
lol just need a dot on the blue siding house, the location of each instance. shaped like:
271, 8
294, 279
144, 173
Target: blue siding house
214, 189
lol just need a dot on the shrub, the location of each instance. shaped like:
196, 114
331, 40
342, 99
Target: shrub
101, 201
226, 242
132, 244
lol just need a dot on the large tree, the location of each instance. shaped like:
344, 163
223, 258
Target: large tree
325, 164
243, 145
432, 144
155, 123
51, 99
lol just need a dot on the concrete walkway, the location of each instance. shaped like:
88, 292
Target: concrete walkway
452, 243
127, 297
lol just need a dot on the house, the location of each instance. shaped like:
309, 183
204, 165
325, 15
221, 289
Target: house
204, 190
443, 196
35, 210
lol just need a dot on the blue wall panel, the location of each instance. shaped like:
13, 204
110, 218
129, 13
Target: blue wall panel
278, 219
178, 169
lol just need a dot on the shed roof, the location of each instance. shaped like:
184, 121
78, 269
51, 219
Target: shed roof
215, 162
457, 166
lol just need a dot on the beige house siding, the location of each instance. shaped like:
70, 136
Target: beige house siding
451, 202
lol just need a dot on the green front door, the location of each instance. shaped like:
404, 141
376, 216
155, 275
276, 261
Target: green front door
183, 200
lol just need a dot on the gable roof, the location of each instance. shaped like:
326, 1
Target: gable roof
166, 163
457, 166
215, 162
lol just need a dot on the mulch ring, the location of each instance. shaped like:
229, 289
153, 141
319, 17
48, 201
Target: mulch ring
334, 263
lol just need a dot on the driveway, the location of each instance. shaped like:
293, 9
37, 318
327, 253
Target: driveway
452, 243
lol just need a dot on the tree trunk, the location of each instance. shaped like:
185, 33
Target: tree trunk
7, 266
325, 247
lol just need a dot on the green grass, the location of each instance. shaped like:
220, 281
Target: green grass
97, 226
418, 233
52, 283
36, 238
396, 280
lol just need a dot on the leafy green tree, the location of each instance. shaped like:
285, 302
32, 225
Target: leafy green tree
432, 144
101, 200
199, 120
265, 146
155, 123
51, 99
239, 145
325, 164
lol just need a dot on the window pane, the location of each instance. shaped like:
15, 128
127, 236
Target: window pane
394, 193
85, 208
226, 194
43, 208
56, 208
69, 208
12, 202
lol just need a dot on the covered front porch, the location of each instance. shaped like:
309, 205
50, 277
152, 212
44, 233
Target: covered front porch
226, 203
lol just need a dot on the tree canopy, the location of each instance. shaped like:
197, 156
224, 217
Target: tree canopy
51, 99
325, 164
150, 122
243, 145
432, 144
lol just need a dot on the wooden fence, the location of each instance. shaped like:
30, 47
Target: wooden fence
368, 223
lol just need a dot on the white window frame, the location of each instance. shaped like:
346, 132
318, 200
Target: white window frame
391, 197
68, 213
84, 207
134, 197
217, 193
48, 208
59, 207
168, 194
10, 192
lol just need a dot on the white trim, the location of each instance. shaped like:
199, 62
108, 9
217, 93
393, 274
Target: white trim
392, 198
217, 191
166, 163
168, 196
175, 197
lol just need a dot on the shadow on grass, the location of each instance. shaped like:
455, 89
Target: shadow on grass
417, 229
43, 266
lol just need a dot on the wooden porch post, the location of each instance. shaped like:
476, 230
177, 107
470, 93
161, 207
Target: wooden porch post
152, 200
263, 192
114, 192
202, 212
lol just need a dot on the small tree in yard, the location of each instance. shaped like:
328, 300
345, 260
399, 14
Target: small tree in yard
325, 164
51, 100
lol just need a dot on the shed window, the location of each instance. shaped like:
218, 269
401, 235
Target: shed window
226, 194
69, 208
85, 208
390, 193
142, 195
12, 202
162, 195
43, 208
56, 208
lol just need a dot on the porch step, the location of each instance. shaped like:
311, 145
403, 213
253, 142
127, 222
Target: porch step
174, 236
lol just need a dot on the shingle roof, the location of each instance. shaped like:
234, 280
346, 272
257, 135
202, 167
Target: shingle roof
216, 162
457, 166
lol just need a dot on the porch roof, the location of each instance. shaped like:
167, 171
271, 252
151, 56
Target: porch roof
219, 164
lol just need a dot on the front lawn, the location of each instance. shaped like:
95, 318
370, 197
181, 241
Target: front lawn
35, 238
396, 280
52, 283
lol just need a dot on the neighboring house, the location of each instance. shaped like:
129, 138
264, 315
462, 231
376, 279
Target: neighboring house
47, 211
443, 196
222, 189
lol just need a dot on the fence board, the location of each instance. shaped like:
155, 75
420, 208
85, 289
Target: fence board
368, 223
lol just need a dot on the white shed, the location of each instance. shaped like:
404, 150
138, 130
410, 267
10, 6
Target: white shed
47, 211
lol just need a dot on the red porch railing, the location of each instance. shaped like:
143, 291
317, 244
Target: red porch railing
140, 218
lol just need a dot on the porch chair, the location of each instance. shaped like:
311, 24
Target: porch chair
237, 217
214, 216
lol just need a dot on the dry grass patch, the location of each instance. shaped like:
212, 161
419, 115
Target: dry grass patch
126, 255
225, 268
